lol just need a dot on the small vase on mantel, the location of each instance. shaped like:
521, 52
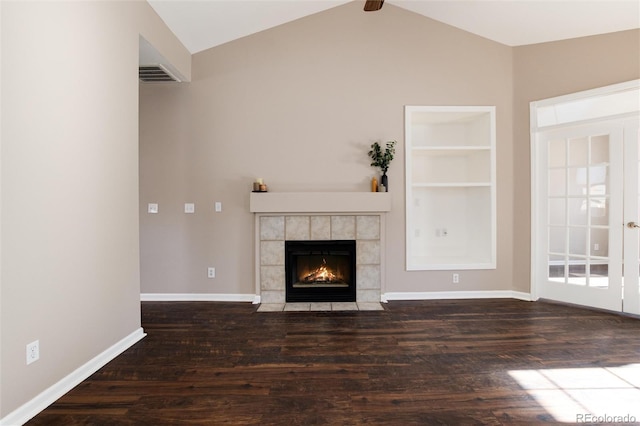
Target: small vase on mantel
381, 159
385, 181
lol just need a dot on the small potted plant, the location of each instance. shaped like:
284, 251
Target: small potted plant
382, 159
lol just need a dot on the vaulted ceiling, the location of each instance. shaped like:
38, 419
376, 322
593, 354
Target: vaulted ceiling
202, 24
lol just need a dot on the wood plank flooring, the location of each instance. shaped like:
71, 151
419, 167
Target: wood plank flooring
418, 362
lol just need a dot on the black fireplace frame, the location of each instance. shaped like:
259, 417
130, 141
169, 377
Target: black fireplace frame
319, 294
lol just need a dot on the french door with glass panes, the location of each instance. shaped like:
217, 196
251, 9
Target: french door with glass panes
587, 250
631, 215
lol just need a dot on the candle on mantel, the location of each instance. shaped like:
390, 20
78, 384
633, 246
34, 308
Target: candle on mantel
259, 181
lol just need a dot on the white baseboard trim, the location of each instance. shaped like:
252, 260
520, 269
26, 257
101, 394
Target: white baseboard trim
197, 297
435, 295
30, 409
520, 295
385, 297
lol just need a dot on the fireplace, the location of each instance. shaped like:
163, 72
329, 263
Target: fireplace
320, 271
273, 230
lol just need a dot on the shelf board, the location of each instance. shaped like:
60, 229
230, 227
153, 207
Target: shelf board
452, 148
452, 185
435, 266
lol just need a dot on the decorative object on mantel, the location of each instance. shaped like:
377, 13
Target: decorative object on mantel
377, 187
382, 159
259, 185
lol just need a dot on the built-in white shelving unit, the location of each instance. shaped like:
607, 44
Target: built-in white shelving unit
450, 191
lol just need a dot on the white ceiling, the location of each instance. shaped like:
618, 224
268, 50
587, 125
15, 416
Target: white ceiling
202, 24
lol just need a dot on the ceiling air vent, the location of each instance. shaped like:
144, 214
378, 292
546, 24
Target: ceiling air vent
155, 74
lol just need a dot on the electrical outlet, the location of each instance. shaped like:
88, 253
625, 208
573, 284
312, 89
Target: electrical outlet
218, 206
33, 352
596, 247
189, 208
456, 278
211, 272
152, 208
441, 232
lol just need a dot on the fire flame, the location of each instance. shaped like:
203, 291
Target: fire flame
322, 274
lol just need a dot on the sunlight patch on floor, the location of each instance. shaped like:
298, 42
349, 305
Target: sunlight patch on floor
582, 395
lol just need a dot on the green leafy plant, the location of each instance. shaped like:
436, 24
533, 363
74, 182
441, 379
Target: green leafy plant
382, 159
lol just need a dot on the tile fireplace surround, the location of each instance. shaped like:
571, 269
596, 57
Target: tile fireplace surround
358, 216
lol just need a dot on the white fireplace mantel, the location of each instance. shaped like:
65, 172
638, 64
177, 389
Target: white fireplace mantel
319, 202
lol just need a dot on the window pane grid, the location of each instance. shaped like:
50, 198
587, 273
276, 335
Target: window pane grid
578, 199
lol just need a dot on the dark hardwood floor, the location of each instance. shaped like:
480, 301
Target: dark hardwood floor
418, 362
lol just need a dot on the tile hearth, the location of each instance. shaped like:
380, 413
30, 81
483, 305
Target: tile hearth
320, 307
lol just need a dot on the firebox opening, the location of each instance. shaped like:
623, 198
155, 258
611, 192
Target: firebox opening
323, 270
320, 271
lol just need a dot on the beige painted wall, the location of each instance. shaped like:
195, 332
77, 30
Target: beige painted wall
69, 174
299, 105
552, 69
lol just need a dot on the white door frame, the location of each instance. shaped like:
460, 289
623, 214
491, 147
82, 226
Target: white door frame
631, 303
560, 112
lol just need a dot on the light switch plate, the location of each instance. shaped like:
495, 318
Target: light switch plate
189, 208
152, 208
218, 206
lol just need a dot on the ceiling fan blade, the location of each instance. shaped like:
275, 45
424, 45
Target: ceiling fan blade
373, 5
